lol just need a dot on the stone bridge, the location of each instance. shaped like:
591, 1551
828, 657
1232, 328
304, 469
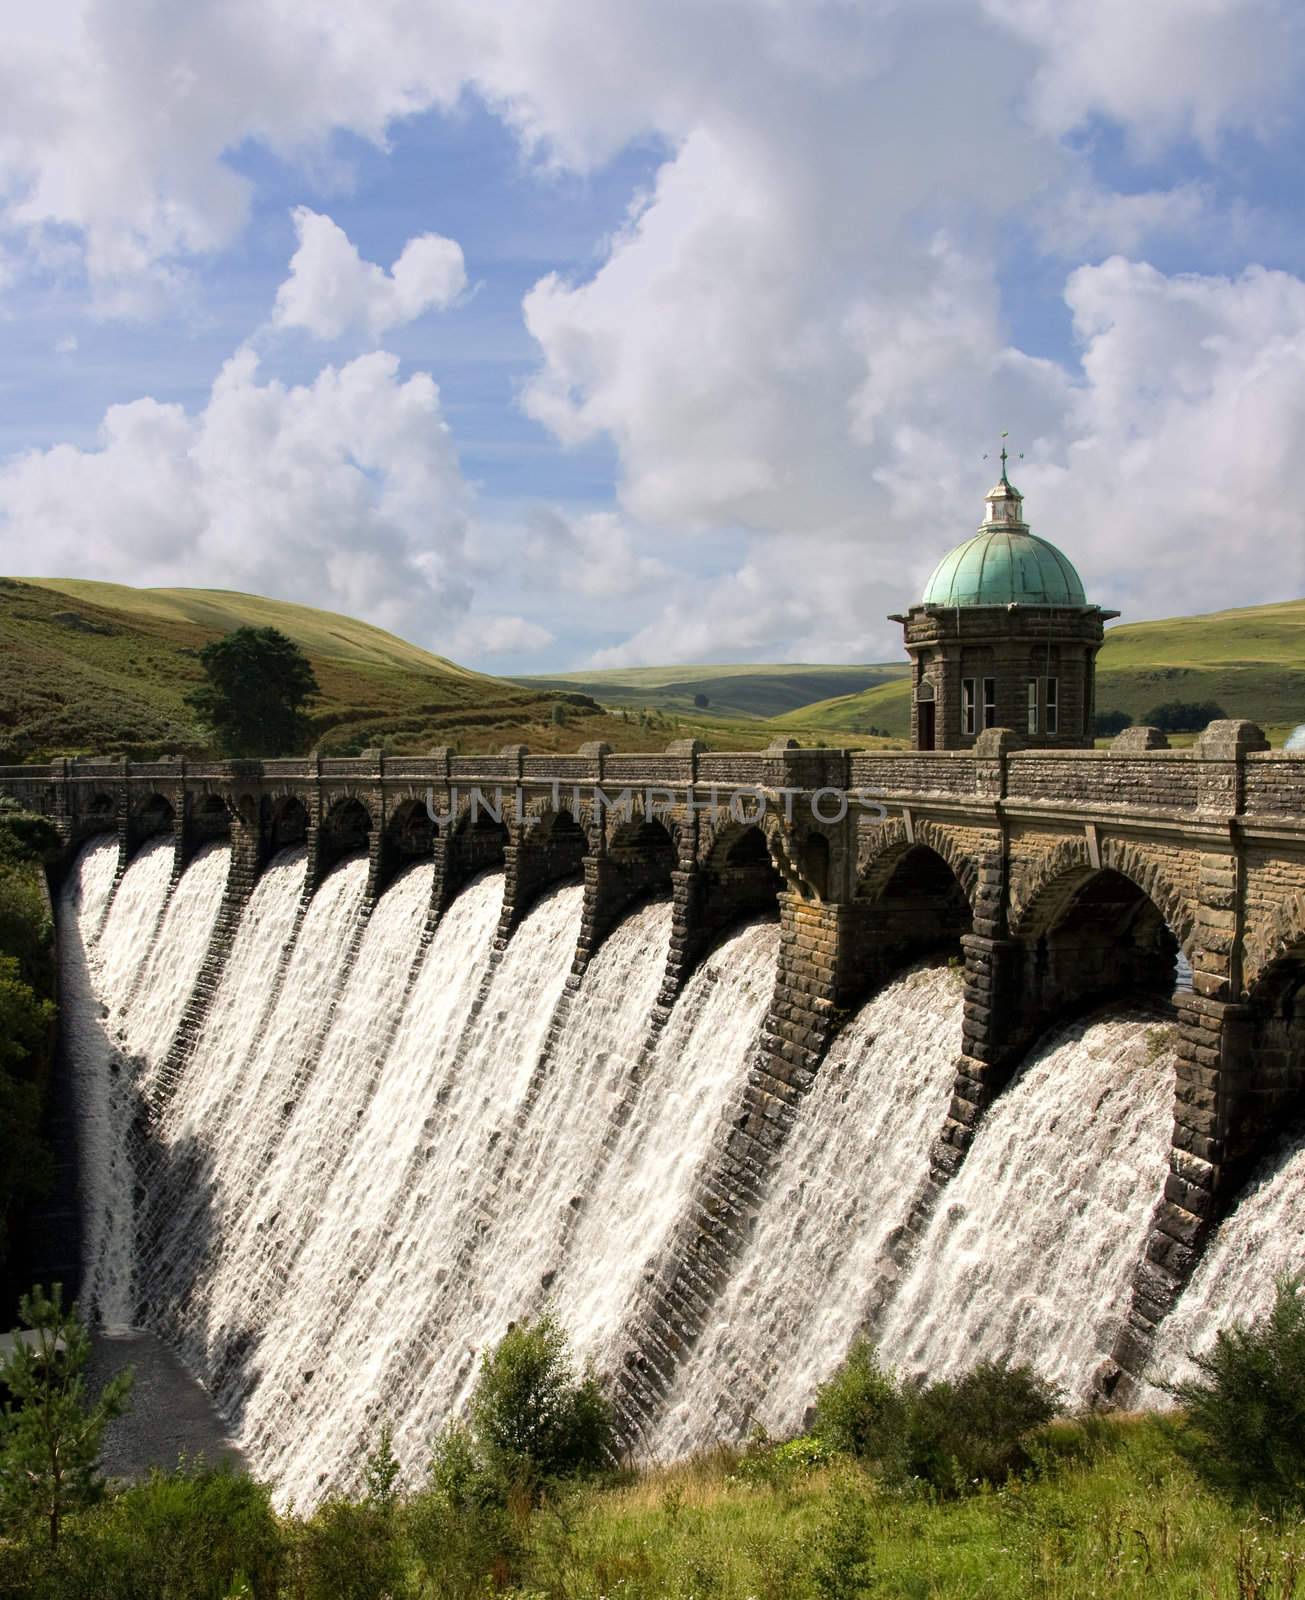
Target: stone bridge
1059, 878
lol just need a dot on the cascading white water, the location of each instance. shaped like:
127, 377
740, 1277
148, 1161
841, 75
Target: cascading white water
273, 1182
1031, 1251
217, 1169
698, 1068
101, 958
104, 1166
124, 942
375, 1158
851, 1167
168, 973
177, 1178
1262, 1238
315, 1399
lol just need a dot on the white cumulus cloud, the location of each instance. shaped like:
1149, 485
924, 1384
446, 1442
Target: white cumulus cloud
332, 290
344, 493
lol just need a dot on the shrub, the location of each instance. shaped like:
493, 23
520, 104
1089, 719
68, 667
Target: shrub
1244, 1432
1108, 723
193, 1534
950, 1434
348, 1551
841, 1553
862, 1410
532, 1419
458, 1527
974, 1429
1184, 716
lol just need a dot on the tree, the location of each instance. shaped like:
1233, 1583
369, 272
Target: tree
25, 1162
1108, 723
533, 1420
51, 1430
258, 685
1244, 1431
1184, 716
701, 701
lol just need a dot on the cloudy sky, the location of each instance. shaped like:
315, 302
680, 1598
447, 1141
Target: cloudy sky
564, 332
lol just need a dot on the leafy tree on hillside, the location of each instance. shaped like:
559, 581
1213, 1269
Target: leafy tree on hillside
1184, 716
51, 1431
259, 682
701, 701
1108, 723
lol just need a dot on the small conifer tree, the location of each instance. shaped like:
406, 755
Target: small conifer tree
51, 1430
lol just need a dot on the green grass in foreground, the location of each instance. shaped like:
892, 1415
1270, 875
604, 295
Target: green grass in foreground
1109, 1510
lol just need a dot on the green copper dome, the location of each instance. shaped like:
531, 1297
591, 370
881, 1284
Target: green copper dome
1004, 564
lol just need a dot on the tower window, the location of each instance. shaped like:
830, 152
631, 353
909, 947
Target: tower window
990, 702
1033, 705
1050, 702
967, 706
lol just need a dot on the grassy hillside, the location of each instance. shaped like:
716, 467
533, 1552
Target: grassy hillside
744, 690
99, 668
102, 668
216, 611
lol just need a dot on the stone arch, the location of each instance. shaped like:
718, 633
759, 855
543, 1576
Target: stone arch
910, 902
1086, 932
1274, 939
647, 844
738, 877
410, 830
345, 829
881, 854
151, 816
1040, 896
477, 841
100, 815
287, 823
1268, 1094
210, 817
547, 848
619, 820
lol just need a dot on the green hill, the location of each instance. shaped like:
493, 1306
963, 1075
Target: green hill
102, 668
1250, 661
743, 690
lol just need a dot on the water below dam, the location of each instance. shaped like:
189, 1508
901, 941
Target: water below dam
388, 1142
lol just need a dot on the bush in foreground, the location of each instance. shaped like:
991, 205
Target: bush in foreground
1245, 1425
533, 1419
952, 1434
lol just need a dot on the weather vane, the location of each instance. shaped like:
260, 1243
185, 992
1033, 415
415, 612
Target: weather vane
1019, 457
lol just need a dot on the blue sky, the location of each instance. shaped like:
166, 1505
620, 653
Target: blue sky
712, 311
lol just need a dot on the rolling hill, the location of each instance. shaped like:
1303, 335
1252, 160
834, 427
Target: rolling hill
1250, 661
744, 690
102, 668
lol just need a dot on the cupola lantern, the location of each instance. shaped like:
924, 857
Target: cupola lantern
1004, 637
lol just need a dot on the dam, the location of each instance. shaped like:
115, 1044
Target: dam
726, 1057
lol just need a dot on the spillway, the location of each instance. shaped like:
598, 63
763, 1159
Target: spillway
849, 1170
1260, 1240
1030, 1253
386, 1138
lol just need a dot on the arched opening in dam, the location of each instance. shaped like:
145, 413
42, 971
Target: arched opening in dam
1092, 934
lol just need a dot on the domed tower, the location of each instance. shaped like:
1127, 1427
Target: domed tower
1003, 638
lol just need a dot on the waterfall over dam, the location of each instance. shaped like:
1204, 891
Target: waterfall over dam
1005, 1066
387, 1144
